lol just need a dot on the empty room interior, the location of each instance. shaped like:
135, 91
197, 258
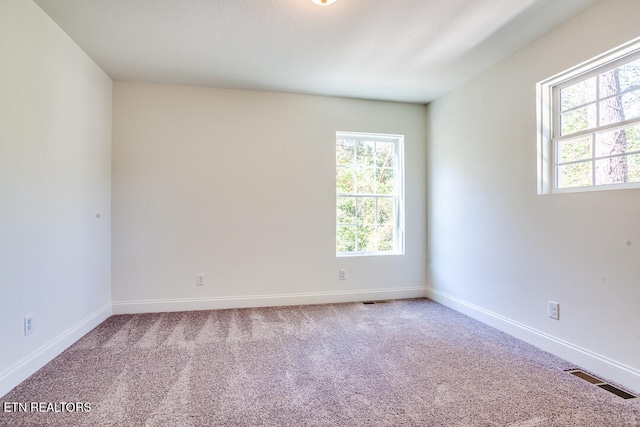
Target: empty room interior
167, 167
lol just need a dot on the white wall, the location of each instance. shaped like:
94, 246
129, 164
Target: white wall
240, 186
55, 141
499, 251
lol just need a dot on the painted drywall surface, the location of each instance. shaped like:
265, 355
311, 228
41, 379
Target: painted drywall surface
240, 186
55, 153
497, 244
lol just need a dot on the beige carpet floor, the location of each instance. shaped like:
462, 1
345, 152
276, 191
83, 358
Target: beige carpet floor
404, 363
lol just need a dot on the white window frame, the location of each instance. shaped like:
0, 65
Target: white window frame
398, 196
548, 107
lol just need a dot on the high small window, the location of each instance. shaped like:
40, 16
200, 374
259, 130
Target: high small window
369, 194
589, 120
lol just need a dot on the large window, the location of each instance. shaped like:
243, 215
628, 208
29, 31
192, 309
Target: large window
369, 194
590, 124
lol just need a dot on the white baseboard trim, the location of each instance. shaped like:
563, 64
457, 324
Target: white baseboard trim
26, 367
190, 304
602, 366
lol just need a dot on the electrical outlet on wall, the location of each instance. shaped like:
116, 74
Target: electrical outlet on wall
28, 324
343, 274
200, 279
553, 309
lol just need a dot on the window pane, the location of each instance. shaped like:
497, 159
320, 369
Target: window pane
619, 108
384, 237
365, 180
629, 74
578, 94
609, 83
344, 180
346, 210
386, 211
365, 151
618, 141
611, 111
633, 138
345, 154
384, 154
346, 239
384, 181
574, 149
631, 105
620, 79
366, 211
617, 170
576, 120
366, 238
633, 168
574, 175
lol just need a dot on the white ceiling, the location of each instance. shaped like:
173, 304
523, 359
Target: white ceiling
401, 50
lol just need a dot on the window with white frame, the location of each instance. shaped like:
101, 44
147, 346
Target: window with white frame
369, 194
589, 124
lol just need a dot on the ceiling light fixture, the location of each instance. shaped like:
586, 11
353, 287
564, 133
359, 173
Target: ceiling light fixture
323, 2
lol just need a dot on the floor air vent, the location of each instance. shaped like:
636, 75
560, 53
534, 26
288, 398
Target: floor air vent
374, 302
603, 385
615, 390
